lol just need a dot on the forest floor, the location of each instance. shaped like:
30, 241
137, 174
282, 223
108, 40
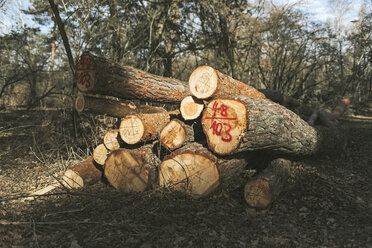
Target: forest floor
327, 202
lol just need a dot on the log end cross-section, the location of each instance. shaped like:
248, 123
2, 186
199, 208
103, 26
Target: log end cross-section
190, 171
100, 154
173, 135
191, 108
224, 122
203, 82
129, 170
131, 129
82, 174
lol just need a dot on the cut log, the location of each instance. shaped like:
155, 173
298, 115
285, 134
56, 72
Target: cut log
191, 169
118, 109
142, 127
191, 108
269, 126
261, 191
131, 170
100, 154
249, 124
194, 170
82, 174
205, 82
175, 134
112, 139
97, 75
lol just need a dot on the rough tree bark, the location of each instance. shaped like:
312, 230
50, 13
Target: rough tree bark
98, 75
118, 109
205, 82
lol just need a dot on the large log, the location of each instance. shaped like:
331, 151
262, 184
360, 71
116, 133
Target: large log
205, 82
118, 109
85, 173
131, 170
97, 75
249, 124
263, 189
194, 170
142, 127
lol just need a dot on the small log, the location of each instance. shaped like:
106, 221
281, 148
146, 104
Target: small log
175, 134
249, 124
205, 82
261, 191
131, 170
118, 109
194, 170
191, 108
142, 127
100, 154
97, 75
112, 140
85, 173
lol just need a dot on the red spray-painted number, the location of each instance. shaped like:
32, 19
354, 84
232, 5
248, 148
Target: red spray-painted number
84, 80
217, 126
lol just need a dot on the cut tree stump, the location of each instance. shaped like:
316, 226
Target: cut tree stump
175, 134
194, 170
191, 108
142, 127
261, 191
100, 154
97, 75
85, 173
118, 109
112, 140
205, 82
131, 170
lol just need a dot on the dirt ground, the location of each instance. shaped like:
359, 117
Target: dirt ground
327, 202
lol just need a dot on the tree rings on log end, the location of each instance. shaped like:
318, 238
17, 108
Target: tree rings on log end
224, 123
203, 82
190, 108
189, 173
100, 154
131, 129
85, 73
125, 172
257, 193
111, 140
71, 179
173, 135
79, 103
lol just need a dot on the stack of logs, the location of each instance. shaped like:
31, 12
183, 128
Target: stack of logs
203, 144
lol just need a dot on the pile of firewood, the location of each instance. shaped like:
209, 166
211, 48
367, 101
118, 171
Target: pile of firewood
201, 145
